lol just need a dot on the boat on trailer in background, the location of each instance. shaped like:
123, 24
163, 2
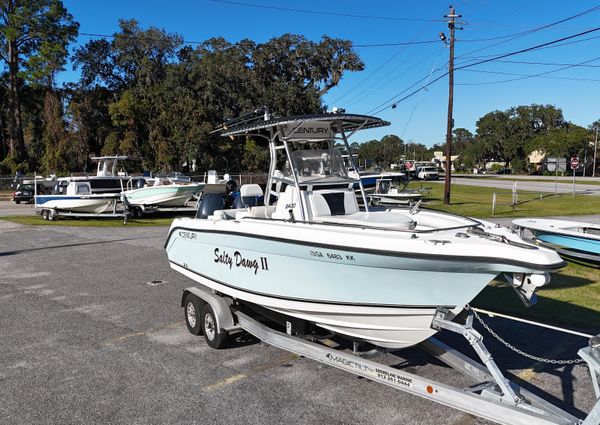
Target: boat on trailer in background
77, 200
160, 193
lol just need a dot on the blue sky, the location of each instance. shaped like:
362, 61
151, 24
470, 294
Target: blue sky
390, 70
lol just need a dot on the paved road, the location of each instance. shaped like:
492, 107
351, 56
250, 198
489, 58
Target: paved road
10, 208
529, 186
84, 339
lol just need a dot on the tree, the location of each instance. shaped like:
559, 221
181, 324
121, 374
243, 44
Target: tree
566, 141
34, 35
509, 135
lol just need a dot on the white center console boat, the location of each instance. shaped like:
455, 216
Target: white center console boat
313, 255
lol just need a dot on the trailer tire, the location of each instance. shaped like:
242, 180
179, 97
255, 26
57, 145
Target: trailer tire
51, 215
213, 337
44, 214
192, 310
137, 212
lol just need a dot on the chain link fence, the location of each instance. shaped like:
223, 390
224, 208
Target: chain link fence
7, 182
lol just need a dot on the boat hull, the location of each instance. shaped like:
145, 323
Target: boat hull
569, 242
162, 196
386, 300
564, 234
89, 204
389, 327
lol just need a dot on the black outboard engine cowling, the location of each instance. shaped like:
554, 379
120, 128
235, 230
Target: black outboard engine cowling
230, 186
209, 203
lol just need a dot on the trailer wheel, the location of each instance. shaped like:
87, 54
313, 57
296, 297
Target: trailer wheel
44, 214
193, 308
213, 337
51, 214
137, 212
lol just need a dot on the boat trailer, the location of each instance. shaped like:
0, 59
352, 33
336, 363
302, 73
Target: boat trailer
492, 397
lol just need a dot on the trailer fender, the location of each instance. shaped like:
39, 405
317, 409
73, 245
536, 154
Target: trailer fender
219, 304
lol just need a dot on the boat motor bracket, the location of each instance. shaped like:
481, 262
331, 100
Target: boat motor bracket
525, 285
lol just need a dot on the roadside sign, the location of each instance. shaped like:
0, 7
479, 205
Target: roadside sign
574, 162
556, 164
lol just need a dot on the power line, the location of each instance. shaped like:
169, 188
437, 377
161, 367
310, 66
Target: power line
394, 101
472, 58
373, 87
528, 49
383, 65
320, 12
524, 77
378, 109
546, 64
136, 37
522, 33
531, 31
400, 43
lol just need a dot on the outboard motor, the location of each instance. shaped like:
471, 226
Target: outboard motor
230, 186
209, 203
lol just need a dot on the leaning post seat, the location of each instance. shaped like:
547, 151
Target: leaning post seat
248, 197
332, 202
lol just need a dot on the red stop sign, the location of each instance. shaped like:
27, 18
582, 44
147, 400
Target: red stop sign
574, 162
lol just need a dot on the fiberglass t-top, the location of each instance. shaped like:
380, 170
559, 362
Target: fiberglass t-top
309, 146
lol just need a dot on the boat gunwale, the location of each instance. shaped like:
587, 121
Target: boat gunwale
371, 251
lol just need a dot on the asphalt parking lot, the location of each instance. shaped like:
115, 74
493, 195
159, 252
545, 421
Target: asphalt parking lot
85, 339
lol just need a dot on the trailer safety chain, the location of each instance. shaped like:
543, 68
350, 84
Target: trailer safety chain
519, 351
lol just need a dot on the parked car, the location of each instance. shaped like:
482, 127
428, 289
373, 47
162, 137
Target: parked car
428, 173
24, 193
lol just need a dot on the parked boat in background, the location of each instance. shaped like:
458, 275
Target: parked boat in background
109, 177
161, 192
77, 197
569, 238
386, 193
369, 179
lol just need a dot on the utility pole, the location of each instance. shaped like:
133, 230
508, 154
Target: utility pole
452, 27
595, 149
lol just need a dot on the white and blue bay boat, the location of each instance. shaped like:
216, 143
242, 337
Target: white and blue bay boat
313, 255
76, 197
570, 238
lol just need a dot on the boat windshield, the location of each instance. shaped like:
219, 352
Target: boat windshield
313, 165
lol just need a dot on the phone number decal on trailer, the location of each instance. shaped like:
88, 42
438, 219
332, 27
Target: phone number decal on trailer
367, 370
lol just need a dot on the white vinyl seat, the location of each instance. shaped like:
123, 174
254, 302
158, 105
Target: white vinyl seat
250, 190
325, 203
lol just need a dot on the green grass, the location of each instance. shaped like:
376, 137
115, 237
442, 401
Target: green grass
477, 202
534, 179
90, 222
572, 299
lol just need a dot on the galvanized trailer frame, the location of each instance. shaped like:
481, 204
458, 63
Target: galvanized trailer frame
493, 396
